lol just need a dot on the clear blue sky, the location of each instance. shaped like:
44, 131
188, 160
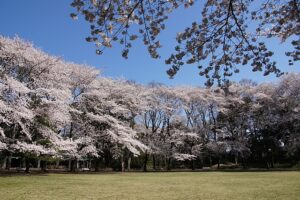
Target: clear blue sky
48, 25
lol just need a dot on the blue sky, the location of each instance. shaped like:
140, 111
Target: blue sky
48, 25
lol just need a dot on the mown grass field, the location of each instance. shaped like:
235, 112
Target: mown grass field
162, 186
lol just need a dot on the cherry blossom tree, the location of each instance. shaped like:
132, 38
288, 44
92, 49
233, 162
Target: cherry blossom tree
107, 121
229, 33
28, 104
51, 109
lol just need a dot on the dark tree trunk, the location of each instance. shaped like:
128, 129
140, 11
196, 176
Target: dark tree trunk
8, 162
236, 159
27, 165
132, 124
169, 164
154, 162
244, 163
122, 163
44, 166
13, 134
23, 162
201, 162
69, 164
57, 164
73, 165
145, 162
38, 163
158, 163
193, 164
267, 165
97, 165
272, 159
4, 163
107, 158
128, 163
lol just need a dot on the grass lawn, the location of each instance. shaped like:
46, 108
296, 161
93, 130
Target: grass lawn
162, 186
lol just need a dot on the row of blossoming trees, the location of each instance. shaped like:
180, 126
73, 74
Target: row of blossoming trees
52, 110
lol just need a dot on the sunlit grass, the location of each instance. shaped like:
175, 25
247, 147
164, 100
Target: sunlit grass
162, 186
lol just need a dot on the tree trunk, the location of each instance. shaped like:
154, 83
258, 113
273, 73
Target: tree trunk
90, 164
154, 162
27, 165
201, 162
236, 159
43, 165
8, 162
38, 163
107, 159
97, 164
128, 163
69, 165
169, 164
244, 163
57, 164
158, 163
73, 165
267, 165
4, 163
193, 164
23, 162
272, 159
122, 163
145, 162
219, 160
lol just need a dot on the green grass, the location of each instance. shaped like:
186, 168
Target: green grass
162, 186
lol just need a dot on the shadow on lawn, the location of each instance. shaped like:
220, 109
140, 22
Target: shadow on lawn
11, 173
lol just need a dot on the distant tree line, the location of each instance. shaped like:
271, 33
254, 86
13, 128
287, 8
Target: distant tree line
56, 111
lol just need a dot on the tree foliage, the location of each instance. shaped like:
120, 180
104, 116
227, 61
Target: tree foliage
229, 34
55, 110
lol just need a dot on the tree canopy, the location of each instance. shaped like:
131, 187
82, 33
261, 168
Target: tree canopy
51, 109
229, 34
